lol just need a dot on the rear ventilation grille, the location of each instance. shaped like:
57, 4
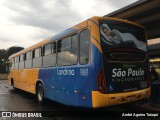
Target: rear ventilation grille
125, 55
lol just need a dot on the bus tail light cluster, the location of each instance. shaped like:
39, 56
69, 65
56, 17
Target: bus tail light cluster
148, 78
101, 82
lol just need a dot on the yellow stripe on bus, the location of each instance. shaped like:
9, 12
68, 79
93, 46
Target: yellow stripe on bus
96, 44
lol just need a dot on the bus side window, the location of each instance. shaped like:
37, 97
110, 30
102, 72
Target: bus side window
67, 54
59, 45
37, 53
37, 57
54, 48
24, 56
28, 56
21, 61
47, 49
21, 58
33, 54
64, 46
13, 63
49, 58
74, 46
28, 60
16, 62
84, 46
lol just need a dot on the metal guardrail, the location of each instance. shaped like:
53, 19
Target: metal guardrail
3, 76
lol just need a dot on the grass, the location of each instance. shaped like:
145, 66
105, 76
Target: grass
3, 76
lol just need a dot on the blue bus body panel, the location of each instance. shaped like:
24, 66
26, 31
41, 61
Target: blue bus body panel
67, 89
96, 65
72, 85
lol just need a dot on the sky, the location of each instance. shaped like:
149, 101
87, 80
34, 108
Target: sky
26, 22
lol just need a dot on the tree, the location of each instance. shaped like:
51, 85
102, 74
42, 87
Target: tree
4, 55
13, 49
2, 60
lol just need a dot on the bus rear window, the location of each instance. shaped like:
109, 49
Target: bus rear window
116, 34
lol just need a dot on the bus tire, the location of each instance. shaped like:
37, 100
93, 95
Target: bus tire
40, 93
12, 86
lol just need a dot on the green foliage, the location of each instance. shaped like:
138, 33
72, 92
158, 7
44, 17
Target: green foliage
4, 55
13, 49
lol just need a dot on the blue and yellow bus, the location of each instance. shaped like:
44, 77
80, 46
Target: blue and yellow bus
96, 63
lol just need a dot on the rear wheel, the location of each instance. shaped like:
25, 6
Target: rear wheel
40, 93
12, 86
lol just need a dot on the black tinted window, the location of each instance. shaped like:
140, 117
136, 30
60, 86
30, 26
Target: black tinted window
116, 34
54, 47
21, 58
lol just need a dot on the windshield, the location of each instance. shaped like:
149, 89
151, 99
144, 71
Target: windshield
119, 34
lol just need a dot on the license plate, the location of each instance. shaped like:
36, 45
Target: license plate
130, 98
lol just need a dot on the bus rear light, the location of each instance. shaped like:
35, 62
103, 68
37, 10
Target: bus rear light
113, 97
101, 82
149, 78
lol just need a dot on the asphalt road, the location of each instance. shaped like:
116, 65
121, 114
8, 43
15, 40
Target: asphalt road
21, 101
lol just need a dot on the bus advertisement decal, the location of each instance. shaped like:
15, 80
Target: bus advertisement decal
125, 77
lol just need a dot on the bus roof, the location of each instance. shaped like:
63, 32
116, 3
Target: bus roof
69, 31
121, 20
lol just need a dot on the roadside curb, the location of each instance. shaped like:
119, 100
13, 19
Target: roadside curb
151, 107
3, 76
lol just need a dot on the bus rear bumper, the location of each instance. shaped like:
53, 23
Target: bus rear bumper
102, 100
